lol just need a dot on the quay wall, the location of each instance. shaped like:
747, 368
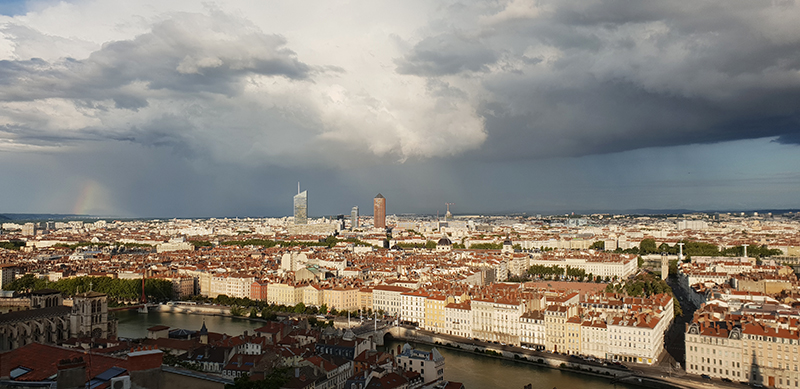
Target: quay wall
194, 309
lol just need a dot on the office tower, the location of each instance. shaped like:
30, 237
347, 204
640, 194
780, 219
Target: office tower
354, 218
380, 211
301, 206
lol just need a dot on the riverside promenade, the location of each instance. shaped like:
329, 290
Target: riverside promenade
656, 376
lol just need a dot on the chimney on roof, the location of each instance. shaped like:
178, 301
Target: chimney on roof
71, 373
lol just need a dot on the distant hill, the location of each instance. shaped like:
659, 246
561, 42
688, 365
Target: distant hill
41, 216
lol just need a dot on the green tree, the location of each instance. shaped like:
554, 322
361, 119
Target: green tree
648, 246
237, 310
299, 308
26, 283
323, 309
598, 245
13, 245
486, 246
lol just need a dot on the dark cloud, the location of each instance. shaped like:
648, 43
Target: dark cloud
227, 111
184, 54
578, 78
446, 54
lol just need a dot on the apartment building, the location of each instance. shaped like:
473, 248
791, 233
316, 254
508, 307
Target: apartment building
182, 286
388, 299
313, 296
572, 328
284, 294
532, 330
715, 349
434, 312
458, 319
365, 298
555, 319
594, 338
635, 338
342, 299
413, 307
769, 355
429, 364
258, 290
231, 285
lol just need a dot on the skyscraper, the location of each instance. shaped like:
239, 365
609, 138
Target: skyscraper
380, 211
301, 207
354, 218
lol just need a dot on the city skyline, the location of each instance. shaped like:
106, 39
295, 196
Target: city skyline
180, 109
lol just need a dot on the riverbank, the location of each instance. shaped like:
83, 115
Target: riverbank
615, 375
200, 309
219, 319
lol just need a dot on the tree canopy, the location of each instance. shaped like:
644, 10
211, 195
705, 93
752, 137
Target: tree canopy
155, 289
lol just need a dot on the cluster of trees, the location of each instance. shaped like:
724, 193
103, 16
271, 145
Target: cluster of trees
13, 245
117, 290
430, 245
135, 245
486, 246
262, 309
79, 244
648, 246
554, 271
328, 242
542, 270
645, 285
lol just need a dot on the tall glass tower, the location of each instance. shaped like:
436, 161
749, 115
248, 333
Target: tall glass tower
354, 218
301, 208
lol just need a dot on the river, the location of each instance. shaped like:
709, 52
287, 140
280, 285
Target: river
475, 372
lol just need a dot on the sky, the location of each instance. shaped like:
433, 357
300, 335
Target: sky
219, 108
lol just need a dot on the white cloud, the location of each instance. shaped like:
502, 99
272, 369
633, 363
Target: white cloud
340, 82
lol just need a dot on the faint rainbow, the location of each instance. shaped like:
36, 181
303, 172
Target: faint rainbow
87, 198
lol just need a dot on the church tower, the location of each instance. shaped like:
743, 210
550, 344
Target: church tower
89, 317
204, 334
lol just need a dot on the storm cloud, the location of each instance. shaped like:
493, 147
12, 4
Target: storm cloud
296, 87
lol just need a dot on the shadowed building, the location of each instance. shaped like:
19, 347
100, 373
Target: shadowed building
379, 211
49, 322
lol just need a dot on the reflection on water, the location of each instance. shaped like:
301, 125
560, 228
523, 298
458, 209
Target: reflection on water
477, 372
134, 325
474, 371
